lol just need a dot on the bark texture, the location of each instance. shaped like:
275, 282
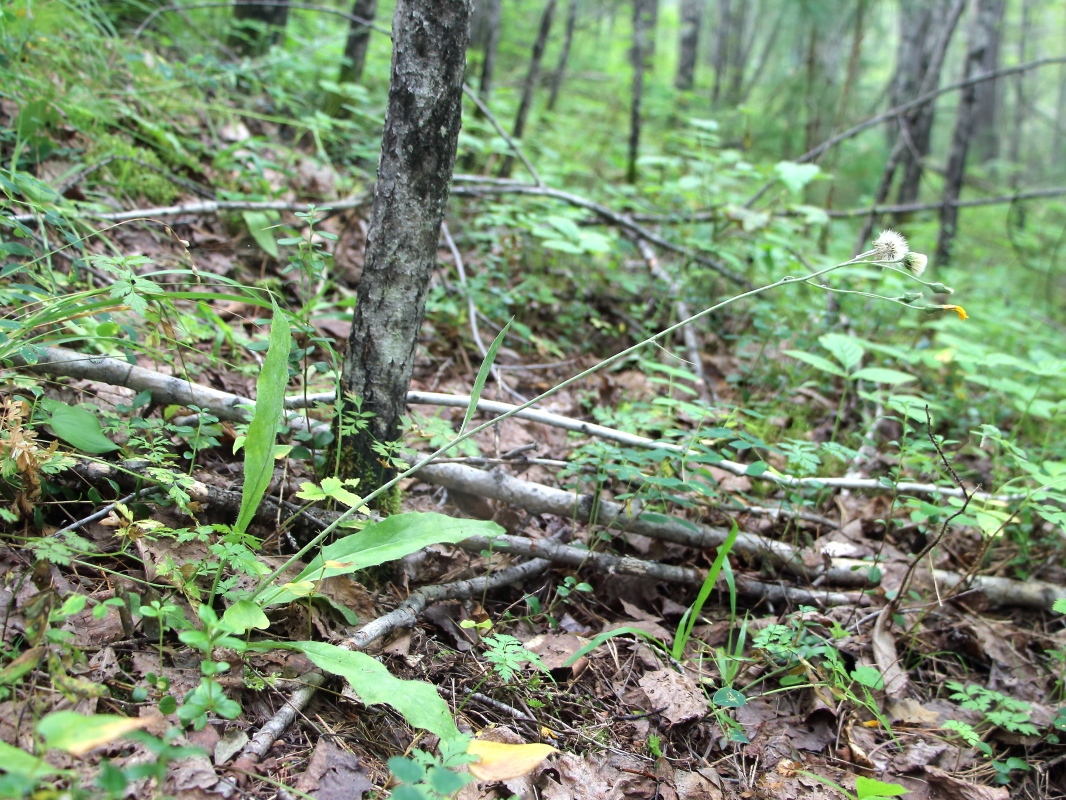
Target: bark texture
982, 36
351, 71
526, 103
414, 171
691, 19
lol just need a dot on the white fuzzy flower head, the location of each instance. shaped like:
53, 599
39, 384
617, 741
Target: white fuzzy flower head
915, 264
890, 246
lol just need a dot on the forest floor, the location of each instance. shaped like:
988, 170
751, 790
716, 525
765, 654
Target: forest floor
852, 646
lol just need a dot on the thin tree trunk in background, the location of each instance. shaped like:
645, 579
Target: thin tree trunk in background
564, 56
651, 31
932, 27
1021, 105
688, 44
989, 101
850, 80
640, 19
249, 41
744, 39
417, 157
1059, 140
530, 86
351, 71
763, 59
912, 141
981, 37
811, 136
721, 48
492, 44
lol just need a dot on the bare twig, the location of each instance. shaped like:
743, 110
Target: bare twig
483, 188
516, 148
681, 310
472, 311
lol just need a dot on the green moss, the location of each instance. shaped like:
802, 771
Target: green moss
127, 174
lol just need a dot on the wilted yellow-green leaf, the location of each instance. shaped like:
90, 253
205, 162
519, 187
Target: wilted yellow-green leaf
502, 762
77, 734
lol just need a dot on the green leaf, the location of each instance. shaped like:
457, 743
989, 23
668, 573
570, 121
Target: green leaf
79, 733
846, 349
259, 224
417, 701
243, 616
15, 761
883, 375
688, 620
868, 788
729, 698
392, 538
756, 468
78, 427
818, 362
1059, 606
483, 375
868, 676
262, 430
796, 176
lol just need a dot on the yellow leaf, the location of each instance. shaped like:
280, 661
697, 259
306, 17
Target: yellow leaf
502, 762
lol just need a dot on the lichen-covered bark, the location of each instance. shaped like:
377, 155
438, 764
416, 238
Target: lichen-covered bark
414, 170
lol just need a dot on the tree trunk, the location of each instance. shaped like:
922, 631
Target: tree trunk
688, 46
721, 48
651, 30
982, 36
564, 56
492, 44
918, 69
743, 35
640, 21
1021, 103
250, 41
988, 101
351, 70
532, 77
417, 157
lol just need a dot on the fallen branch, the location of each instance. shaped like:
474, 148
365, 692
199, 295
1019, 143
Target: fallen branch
404, 615
540, 499
170, 390
608, 564
201, 207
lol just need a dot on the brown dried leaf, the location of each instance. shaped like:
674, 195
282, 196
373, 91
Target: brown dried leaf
675, 696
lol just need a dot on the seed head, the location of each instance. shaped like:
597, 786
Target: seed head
915, 264
890, 246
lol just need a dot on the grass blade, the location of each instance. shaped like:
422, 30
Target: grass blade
483, 375
263, 429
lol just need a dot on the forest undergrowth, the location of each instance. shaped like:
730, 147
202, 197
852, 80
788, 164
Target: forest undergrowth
808, 545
